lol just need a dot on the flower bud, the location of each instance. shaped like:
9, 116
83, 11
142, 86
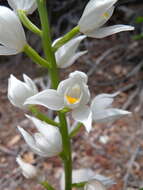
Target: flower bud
19, 91
12, 36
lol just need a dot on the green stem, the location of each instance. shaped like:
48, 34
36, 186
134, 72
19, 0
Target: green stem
79, 185
50, 56
27, 23
66, 154
47, 185
76, 130
46, 40
42, 117
30, 52
67, 37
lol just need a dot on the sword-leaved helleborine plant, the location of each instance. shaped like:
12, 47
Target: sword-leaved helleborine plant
70, 97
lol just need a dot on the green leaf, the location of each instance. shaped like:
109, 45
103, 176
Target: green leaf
139, 19
138, 37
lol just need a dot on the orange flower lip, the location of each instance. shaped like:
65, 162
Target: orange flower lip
71, 100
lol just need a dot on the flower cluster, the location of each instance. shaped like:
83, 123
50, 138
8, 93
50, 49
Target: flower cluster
68, 97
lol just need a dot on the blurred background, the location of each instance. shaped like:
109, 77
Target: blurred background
113, 63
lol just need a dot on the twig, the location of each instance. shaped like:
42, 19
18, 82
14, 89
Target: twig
101, 58
7, 151
130, 165
131, 98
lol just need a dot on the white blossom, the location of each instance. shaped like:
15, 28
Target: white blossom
95, 15
86, 175
12, 36
19, 91
67, 54
102, 110
28, 170
72, 93
47, 142
29, 6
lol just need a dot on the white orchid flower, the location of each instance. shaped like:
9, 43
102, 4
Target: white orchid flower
28, 170
29, 6
72, 93
95, 15
19, 91
12, 36
86, 175
102, 111
47, 142
67, 54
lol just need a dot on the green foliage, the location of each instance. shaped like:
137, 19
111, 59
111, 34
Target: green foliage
138, 20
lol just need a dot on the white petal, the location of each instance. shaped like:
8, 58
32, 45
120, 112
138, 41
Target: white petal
28, 170
74, 77
102, 101
85, 94
109, 115
27, 5
7, 51
51, 133
18, 92
65, 54
78, 76
103, 179
63, 85
83, 114
30, 83
27, 137
78, 176
71, 60
47, 98
11, 31
31, 142
93, 14
109, 30
94, 185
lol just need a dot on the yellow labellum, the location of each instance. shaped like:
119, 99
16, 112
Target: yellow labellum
71, 100
106, 15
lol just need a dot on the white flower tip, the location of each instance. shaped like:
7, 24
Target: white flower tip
131, 28
80, 38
